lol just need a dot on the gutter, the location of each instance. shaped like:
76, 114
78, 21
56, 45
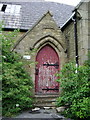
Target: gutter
68, 21
73, 18
76, 37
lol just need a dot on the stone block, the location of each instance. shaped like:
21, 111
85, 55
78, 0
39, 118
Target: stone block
60, 109
36, 109
46, 108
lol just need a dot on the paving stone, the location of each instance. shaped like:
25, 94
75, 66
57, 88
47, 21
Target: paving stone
47, 108
42, 114
60, 109
36, 109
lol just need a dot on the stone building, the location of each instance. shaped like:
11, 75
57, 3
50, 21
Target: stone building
82, 11
59, 33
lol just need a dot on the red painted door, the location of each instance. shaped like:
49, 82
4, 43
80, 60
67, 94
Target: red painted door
47, 67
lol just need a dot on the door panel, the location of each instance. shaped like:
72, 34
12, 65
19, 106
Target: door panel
47, 67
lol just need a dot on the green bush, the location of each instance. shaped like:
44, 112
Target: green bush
75, 91
16, 82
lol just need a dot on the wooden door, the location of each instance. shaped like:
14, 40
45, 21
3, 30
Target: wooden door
47, 67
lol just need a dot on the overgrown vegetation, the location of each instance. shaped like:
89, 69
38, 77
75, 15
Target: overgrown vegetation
75, 91
16, 82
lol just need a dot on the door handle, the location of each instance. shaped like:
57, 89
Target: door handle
56, 65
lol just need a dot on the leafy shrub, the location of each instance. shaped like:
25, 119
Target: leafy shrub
75, 91
16, 82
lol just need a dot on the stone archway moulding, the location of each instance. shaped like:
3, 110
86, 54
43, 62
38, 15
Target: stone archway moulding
55, 43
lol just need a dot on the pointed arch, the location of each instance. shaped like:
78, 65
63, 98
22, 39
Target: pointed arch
48, 65
55, 43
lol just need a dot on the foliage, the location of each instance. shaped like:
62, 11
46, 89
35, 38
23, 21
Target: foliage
75, 91
16, 82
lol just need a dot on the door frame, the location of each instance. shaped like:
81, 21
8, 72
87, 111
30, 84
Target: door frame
37, 70
53, 42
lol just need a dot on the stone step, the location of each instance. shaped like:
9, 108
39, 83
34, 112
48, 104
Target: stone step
45, 105
46, 96
45, 100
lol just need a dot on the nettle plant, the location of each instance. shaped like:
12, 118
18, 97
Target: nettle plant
16, 82
75, 90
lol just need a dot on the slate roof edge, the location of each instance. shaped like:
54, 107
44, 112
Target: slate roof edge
68, 21
10, 3
12, 29
19, 40
70, 18
25, 29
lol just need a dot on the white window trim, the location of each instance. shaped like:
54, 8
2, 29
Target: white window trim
11, 9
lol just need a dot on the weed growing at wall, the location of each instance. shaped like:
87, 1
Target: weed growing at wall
16, 83
75, 91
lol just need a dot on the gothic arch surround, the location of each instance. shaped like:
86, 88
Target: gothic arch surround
55, 44
42, 44
50, 40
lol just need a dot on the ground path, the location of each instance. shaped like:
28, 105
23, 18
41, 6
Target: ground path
42, 114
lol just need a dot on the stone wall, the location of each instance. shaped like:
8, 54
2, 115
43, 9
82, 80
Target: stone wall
89, 26
47, 30
83, 34
44, 32
70, 42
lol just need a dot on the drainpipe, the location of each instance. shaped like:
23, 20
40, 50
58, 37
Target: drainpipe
75, 37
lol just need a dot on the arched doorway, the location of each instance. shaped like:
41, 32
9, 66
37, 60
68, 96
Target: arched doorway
47, 66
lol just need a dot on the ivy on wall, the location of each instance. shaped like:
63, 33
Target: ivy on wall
16, 82
75, 90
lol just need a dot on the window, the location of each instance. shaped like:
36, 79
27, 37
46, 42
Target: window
13, 9
9, 8
3, 8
